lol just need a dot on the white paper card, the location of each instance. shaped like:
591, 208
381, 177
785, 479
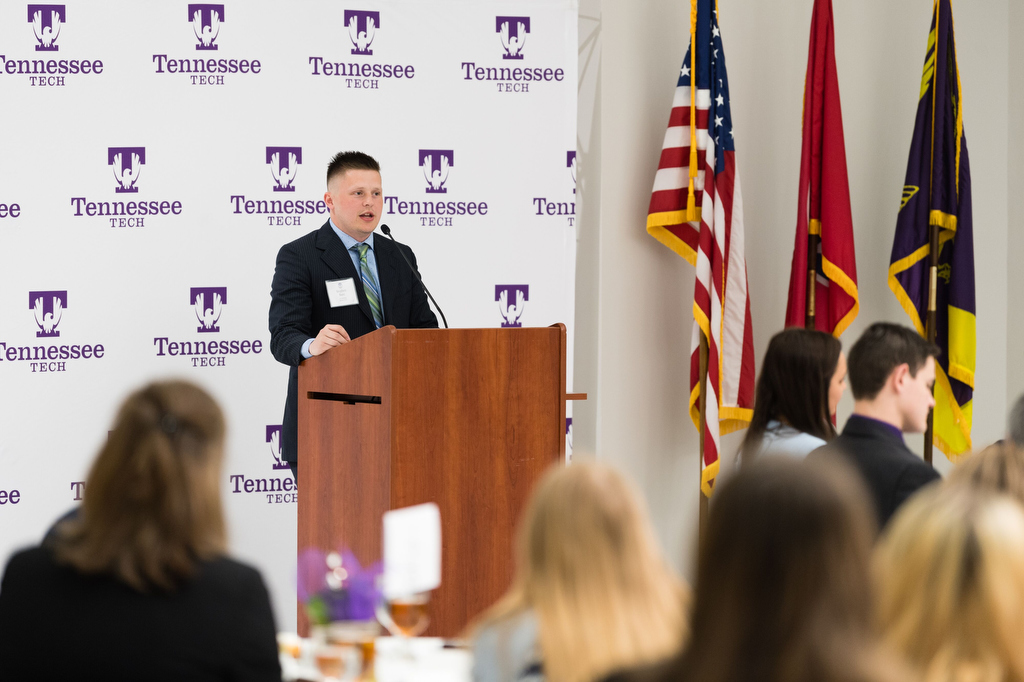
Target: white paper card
412, 550
342, 292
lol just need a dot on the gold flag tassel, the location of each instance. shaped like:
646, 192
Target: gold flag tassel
692, 214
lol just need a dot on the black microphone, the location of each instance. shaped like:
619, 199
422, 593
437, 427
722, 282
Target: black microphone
387, 231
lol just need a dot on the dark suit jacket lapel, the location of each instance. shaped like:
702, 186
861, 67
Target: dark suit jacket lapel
334, 254
388, 273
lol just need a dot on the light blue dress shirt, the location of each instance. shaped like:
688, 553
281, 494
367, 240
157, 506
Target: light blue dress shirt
780, 439
371, 261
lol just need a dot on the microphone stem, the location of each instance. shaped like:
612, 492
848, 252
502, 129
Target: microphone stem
419, 279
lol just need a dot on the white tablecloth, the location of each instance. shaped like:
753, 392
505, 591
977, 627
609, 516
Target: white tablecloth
430, 662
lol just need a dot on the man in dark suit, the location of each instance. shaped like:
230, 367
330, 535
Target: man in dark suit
891, 372
339, 282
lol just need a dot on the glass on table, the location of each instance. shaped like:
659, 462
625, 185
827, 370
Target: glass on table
405, 617
409, 615
330, 661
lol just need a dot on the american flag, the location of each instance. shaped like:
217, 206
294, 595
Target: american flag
709, 236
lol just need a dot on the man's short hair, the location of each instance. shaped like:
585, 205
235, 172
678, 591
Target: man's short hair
346, 161
1015, 424
882, 348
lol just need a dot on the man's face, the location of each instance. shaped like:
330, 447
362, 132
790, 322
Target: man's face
915, 397
355, 201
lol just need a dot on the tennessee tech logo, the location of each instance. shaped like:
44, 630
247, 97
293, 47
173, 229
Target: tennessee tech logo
47, 306
284, 164
435, 164
127, 163
362, 27
570, 163
208, 303
274, 439
206, 20
511, 299
48, 354
509, 77
513, 32
46, 21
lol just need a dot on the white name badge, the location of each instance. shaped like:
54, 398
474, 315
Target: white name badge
342, 292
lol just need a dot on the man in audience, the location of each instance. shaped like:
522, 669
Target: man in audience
891, 373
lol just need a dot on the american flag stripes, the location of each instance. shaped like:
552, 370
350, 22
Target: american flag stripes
708, 232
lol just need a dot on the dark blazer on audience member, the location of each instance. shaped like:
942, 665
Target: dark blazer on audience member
59, 624
300, 307
891, 471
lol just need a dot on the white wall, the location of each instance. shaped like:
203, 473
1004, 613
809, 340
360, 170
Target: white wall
634, 295
1015, 213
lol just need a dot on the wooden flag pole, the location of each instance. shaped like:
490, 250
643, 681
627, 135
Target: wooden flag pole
703, 407
933, 248
691, 202
813, 239
929, 327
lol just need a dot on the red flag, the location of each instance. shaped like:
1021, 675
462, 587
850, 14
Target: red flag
824, 197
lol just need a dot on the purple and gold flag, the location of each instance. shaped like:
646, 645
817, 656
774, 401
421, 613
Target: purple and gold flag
937, 191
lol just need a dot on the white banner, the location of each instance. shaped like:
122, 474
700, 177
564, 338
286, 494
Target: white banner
157, 156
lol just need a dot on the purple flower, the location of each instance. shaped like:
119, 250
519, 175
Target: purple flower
335, 587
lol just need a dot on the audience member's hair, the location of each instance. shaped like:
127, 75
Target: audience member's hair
793, 386
950, 571
589, 567
999, 468
882, 348
152, 507
1015, 423
346, 161
783, 582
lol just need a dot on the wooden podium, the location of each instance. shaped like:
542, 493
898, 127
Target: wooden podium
465, 418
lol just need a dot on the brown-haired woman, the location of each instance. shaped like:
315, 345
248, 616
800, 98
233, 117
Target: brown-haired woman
137, 586
802, 378
783, 589
592, 592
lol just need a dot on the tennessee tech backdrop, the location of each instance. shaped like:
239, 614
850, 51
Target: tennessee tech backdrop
157, 155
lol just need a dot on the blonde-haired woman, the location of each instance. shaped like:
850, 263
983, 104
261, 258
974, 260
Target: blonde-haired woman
999, 468
592, 592
138, 586
950, 571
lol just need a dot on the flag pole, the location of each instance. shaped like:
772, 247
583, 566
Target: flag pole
691, 215
813, 239
933, 270
933, 246
702, 403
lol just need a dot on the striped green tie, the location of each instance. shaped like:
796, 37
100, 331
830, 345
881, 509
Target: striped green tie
370, 285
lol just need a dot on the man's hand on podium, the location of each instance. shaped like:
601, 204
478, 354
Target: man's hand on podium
330, 336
